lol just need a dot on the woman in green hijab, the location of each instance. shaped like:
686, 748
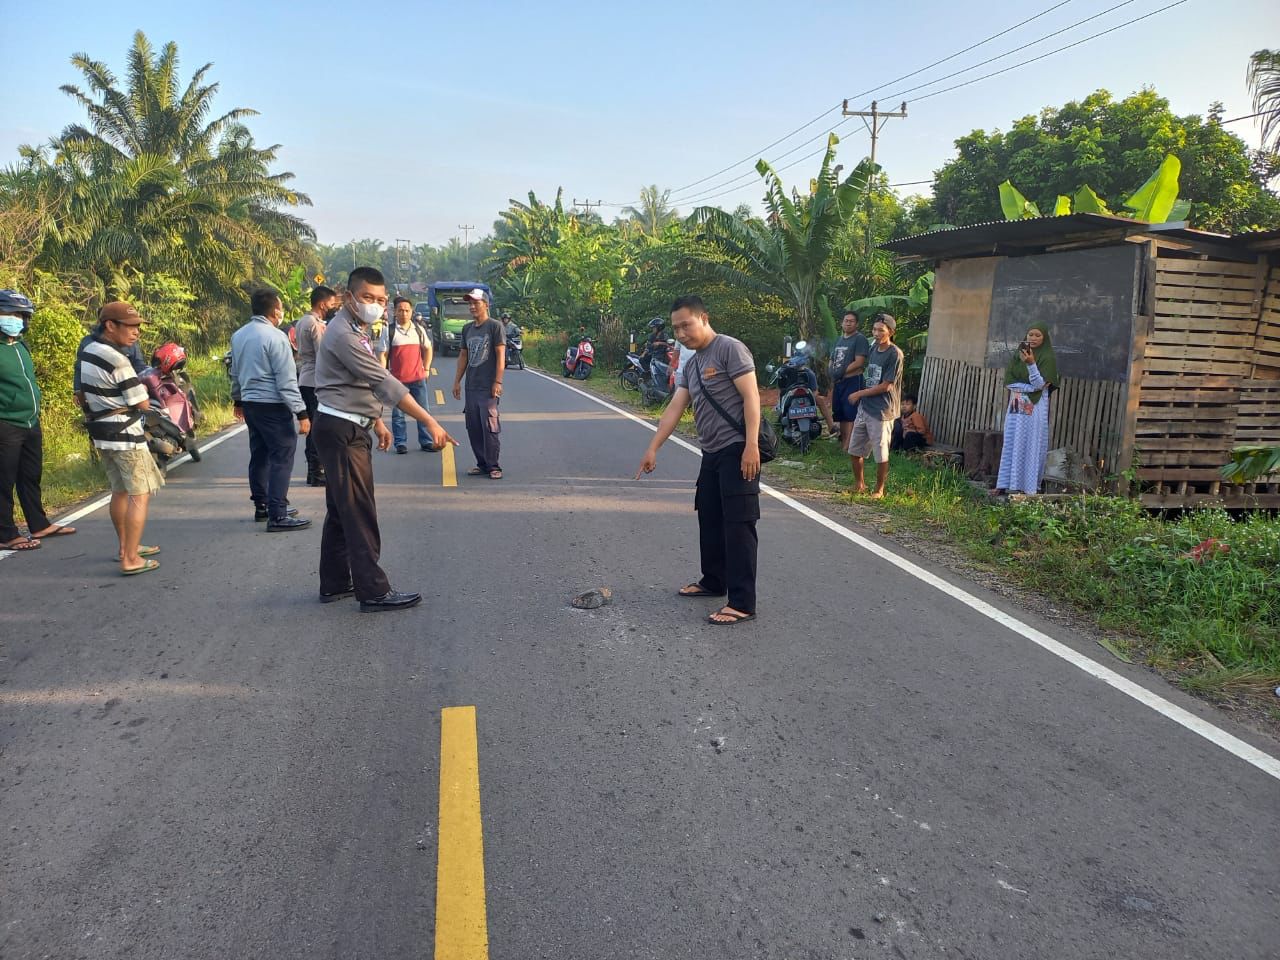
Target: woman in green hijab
1029, 379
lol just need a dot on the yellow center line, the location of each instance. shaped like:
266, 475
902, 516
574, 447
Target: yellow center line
435, 372
448, 467
462, 931
440, 398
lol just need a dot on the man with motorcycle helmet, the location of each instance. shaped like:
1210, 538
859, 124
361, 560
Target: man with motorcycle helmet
21, 439
655, 344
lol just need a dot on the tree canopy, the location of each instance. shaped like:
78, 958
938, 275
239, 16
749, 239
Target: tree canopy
1111, 145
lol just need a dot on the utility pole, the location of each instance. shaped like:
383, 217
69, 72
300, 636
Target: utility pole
466, 229
878, 120
399, 262
588, 204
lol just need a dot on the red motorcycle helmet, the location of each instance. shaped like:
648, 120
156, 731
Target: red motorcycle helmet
169, 358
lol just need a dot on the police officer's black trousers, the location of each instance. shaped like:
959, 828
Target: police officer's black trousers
350, 543
728, 507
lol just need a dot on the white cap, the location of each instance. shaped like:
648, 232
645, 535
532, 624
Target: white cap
476, 294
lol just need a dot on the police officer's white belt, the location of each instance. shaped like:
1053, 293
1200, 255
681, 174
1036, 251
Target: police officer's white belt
353, 417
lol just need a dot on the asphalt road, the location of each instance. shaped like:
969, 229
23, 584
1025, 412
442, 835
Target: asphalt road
204, 762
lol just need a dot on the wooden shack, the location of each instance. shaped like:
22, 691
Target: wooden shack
1167, 339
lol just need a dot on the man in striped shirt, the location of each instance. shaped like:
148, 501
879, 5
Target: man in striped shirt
114, 401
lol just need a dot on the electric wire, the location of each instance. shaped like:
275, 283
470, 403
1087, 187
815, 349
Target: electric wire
804, 126
1007, 53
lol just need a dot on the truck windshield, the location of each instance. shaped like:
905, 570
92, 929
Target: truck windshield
455, 308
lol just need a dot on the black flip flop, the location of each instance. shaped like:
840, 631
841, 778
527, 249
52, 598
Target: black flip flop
697, 594
737, 618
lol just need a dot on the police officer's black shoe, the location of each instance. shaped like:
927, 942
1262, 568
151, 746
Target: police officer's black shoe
348, 591
391, 600
287, 523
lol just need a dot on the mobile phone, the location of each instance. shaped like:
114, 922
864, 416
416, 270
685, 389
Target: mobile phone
1024, 345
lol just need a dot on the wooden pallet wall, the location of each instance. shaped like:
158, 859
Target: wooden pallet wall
1200, 389
1085, 415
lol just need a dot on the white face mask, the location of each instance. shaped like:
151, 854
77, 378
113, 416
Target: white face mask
366, 313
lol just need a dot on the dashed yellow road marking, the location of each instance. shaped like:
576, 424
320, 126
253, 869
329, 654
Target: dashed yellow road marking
440, 398
462, 929
435, 372
448, 467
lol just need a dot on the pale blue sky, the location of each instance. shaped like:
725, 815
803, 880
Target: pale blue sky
407, 119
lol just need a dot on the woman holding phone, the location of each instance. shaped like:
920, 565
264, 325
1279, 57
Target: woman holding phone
1028, 380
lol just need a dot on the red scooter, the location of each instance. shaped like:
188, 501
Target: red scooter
580, 360
171, 422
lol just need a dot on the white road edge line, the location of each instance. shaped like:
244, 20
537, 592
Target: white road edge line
101, 502
1215, 735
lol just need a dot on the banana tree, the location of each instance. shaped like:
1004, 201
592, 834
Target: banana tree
785, 253
1156, 201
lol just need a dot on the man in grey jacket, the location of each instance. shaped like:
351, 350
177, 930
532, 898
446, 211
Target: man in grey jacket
352, 388
264, 388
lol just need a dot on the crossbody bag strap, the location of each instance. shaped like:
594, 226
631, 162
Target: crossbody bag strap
738, 424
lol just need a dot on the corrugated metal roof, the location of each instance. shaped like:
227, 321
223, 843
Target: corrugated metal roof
1003, 236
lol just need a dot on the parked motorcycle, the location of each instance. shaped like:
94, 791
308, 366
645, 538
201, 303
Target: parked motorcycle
633, 372
660, 383
799, 420
580, 360
515, 349
170, 422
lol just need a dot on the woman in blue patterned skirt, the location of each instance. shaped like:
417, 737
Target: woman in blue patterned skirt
1029, 379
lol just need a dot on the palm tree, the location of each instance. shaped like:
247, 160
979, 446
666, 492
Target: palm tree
785, 253
654, 213
148, 185
1264, 82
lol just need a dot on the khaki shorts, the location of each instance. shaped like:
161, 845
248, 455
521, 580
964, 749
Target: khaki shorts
132, 471
870, 438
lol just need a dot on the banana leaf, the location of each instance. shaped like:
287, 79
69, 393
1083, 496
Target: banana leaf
1181, 211
1062, 207
1155, 199
1015, 205
1250, 462
1086, 201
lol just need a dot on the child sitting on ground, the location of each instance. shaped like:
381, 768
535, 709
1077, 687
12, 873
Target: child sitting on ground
911, 430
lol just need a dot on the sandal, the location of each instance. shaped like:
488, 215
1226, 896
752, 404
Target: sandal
142, 552
147, 567
22, 543
697, 590
495, 474
57, 530
476, 472
735, 617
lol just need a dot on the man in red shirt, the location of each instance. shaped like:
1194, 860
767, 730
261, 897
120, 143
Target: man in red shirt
409, 354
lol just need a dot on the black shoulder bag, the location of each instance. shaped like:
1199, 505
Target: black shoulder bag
768, 440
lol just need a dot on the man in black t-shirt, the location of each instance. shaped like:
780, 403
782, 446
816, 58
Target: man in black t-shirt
483, 360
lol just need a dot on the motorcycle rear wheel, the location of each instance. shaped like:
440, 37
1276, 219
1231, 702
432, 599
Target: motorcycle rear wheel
630, 379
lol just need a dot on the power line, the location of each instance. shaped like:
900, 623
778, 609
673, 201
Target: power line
959, 53
1009, 53
1248, 117
673, 194
1023, 63
756, 153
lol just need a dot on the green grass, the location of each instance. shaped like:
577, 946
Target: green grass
71, 475
1213, 622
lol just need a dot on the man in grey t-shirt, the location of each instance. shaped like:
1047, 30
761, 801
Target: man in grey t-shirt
848, 358
728, 494
879, 404
483, 360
